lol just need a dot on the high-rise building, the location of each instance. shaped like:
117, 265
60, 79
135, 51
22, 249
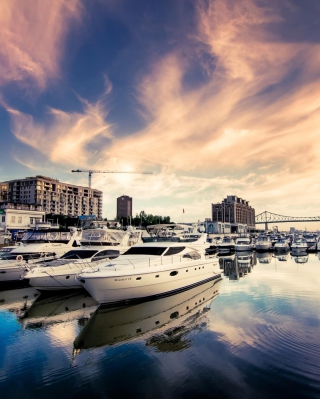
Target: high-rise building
124, 206
234, 210
52, 196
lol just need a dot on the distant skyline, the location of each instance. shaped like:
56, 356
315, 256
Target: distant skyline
216, 97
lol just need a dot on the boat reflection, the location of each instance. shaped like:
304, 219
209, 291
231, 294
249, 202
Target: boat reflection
282, 257
238, 265
54, 308
301, 257
17, 300
109, 326
264, 257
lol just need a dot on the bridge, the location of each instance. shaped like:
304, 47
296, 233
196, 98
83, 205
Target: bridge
268, 217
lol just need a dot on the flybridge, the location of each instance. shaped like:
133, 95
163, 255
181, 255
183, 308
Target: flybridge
48, 235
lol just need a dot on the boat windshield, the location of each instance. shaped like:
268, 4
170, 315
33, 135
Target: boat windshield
157, 251
243, 241
41, 236
300, 240
79, 254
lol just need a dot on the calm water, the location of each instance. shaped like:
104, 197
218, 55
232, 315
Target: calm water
254, 334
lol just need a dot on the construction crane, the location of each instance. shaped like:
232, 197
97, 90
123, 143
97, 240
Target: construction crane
90, 171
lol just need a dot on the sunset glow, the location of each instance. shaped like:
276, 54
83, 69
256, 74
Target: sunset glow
217, 97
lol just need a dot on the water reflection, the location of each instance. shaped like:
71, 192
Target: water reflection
57, 307
238, 264
17, 300
109, 326
264, 257
300, 257
282, 257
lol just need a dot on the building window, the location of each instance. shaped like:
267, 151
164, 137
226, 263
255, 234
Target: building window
19, 219
3, 218
13, 219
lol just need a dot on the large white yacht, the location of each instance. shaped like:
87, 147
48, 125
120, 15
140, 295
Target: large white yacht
299, 244
97, 245
263, 243
311, 241
36, 246
149, 270
243, 244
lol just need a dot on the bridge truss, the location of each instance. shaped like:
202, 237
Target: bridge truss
268, 217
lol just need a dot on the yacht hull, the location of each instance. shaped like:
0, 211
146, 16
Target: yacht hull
112, 287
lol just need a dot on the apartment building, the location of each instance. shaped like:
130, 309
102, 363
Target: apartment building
52, 196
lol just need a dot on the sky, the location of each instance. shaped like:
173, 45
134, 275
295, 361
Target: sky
216, 97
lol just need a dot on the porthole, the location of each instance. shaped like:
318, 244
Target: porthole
82, 281
138, 330
157, 275
187, 307
174, 315
138, 278
173, 273
67, 277
157, 322
2, 272
187, 270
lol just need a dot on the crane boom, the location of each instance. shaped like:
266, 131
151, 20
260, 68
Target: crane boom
90, 171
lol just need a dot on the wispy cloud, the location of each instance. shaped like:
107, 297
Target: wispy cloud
249, 127
66, 138
32, 38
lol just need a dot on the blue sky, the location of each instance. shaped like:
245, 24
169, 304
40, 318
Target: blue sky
216, 97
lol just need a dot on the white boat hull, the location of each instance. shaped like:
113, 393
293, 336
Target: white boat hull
133, 284
11, 273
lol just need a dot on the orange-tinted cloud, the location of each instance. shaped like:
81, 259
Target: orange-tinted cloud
32, 38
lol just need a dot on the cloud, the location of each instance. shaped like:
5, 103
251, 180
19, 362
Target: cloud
66, 138
249, 127
32, 39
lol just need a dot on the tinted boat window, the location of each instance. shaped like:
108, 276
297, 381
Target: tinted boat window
106, 254
83, 254
174, 251
145, 251
192, 255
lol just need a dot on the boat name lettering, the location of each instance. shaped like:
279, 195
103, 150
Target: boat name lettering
122, 279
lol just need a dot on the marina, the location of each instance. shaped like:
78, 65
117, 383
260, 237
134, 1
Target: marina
256, 322
159, 199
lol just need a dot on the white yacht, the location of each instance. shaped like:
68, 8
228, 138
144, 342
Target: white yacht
243, 244
149, 270
311, 241
36, 246
263, 243
227, 244
299, 243
97, 245
281, 245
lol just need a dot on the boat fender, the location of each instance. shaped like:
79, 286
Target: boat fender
19, 258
